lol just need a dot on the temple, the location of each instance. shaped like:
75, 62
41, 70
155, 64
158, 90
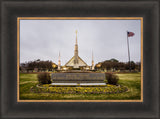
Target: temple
76, 62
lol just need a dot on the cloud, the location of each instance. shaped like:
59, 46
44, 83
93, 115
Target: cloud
43, 39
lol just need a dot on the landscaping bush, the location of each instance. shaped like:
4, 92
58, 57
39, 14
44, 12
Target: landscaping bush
44, 78
112, 78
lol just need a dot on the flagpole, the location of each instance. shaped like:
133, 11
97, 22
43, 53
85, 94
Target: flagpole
128, 53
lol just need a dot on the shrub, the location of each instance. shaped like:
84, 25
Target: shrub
44, 78
112, 78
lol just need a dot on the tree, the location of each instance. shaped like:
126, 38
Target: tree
131, 64
41, 65
138, 66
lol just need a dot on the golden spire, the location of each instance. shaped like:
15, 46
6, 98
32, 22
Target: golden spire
59, 55
59, 62
92, 61
92, 55
76, 36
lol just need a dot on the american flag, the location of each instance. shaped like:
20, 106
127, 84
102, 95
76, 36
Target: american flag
130, 34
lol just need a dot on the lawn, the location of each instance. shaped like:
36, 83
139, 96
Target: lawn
130, 80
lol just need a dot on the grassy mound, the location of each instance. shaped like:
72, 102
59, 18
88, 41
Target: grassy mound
130, 80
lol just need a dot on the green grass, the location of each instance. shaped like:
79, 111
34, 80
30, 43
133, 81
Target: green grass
131, 80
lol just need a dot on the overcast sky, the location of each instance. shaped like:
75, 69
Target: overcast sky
43, 39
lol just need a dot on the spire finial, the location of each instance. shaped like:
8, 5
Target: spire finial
59, 55
59, 62
92, 55
76, 32
92, 67
76, 36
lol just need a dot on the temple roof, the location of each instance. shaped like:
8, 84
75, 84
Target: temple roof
80, 62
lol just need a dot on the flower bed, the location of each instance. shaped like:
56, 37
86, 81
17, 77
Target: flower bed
110, 89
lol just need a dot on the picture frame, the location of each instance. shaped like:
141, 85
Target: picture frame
10, 108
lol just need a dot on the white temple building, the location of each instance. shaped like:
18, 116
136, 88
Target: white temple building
76, 62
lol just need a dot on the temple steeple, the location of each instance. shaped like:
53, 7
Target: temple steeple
59, 62
76, 51
76, 62
76, 36
92, 62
